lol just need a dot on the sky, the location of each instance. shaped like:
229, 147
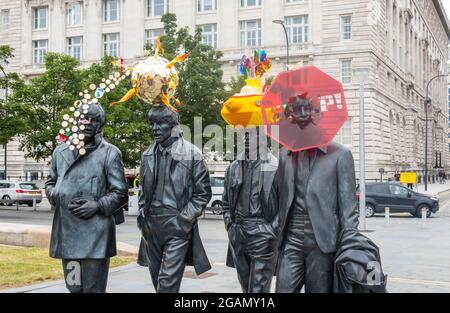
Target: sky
447, 7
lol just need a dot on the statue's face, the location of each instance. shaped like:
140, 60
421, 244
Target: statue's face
162, 130
92, 124
300, 111
162, 120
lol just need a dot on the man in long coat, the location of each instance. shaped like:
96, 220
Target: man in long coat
250, 215
174, 191
317, 201
87, 192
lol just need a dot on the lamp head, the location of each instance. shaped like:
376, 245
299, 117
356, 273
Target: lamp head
361, 73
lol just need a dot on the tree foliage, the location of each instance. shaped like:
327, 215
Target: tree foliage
43, 101
12, 121
126, 124
201, 90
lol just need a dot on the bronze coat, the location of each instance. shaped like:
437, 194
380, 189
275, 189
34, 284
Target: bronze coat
233, 185
330, 193
98, 175
189, 177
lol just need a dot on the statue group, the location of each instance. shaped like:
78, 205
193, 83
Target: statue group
294, 217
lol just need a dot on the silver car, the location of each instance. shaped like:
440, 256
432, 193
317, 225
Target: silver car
22, 192
217, 188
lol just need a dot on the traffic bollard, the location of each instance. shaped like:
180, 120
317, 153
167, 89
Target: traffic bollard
34, 204
387, 214
424, 217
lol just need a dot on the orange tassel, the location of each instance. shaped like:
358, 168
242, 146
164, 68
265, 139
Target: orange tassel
125, 98
166, 101
158, 46
178, 59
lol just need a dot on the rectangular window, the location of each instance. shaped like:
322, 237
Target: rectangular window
250, 3
250, 33
294, 1
344, 136
5, 20
111, 10
209, 34
75, 47
152, 34
74, 14
40, 17
157, 7
346, 27
111, 44
206, 5
346, 71
39, 51
297, 28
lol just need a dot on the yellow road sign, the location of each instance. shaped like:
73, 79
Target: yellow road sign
408, 178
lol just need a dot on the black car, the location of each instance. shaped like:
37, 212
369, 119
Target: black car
398, 199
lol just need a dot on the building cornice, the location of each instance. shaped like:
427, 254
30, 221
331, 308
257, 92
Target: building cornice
443, 16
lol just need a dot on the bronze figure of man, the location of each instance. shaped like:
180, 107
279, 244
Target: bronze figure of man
250, 215
87, 192
317, 200
174, 191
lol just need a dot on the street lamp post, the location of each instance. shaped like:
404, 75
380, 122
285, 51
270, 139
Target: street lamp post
362, 74
427, 102
6, 100
281, 22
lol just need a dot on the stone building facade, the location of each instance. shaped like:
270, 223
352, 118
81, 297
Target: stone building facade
404, 43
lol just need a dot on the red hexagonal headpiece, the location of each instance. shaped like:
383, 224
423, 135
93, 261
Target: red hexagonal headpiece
307, 105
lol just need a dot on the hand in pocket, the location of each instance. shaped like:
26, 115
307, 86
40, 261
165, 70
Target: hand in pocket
180, 228
232, 233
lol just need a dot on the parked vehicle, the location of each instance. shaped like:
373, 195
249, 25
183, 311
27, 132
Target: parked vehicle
217, 188
19, 192
133, 187
398, 199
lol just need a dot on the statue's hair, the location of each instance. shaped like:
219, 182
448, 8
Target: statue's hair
294, 104
96, 110
299, 100
162, 113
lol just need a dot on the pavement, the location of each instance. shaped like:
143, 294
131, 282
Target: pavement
414, 253
433, 189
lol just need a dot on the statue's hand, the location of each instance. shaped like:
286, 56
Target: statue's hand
84, 208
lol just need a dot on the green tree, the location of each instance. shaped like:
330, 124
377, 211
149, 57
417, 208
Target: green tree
12, 121
201, 90
46, 98
126, 124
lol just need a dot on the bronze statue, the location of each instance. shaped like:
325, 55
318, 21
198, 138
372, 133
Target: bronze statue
317, 200
174, 191
87, 192
250, 216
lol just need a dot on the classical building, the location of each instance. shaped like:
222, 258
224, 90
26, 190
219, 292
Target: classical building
404, 43
449, 107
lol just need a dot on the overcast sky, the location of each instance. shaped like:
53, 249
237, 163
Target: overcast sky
447, 6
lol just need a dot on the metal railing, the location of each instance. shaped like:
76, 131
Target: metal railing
16, 203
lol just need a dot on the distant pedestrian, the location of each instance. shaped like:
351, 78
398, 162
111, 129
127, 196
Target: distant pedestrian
442, 176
